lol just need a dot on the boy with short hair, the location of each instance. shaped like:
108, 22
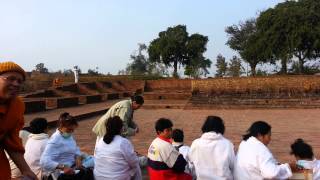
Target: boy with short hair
178, 139
164, 161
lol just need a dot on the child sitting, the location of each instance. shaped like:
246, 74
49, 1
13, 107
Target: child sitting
178, 137
164, 161
305, 158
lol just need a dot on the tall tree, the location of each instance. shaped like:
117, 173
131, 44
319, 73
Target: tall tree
41, 68
175, 47
139, 63
235, 68
170, 47
221, 65
196, 63
245, 39
292, 29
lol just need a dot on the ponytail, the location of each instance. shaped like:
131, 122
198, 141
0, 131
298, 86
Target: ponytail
257, 128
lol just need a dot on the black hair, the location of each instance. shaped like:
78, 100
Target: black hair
27, 128
138, 99
38, 125
113, 128
163, 124
257, 128
177, 135
213, 123
65, 120
301, 149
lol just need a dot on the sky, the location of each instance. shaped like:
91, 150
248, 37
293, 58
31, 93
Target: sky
103, 33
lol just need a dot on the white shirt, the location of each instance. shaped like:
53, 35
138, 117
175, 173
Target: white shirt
59, 150
184, 150
116, 160
255, 161
314, 165
34, 149
212, 156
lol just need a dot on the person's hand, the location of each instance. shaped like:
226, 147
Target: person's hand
137, 130
79, 162
67, 170
29, 175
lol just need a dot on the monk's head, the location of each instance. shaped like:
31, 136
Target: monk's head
12, 77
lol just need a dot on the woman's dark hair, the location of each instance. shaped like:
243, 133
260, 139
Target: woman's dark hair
257, 128
66, 120
113, 127
213, 123
163, 124
138, 99
38, 125
177, 135
301, 149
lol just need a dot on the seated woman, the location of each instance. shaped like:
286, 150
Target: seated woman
36, 144
305, 158
212, 154
254, 160
62, 152
114, 155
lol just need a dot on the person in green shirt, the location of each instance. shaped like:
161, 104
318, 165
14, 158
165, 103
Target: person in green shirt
124, 109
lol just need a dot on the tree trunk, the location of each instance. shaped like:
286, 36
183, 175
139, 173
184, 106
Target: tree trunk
301, 67
284, 69
253, 69
175, 69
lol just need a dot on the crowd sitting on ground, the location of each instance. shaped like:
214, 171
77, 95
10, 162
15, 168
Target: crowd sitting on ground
211, 156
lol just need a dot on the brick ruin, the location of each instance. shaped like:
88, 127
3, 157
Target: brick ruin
243, 92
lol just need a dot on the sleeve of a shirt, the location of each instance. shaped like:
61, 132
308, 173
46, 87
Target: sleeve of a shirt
129, 155
46, 162
126, 118
271, 170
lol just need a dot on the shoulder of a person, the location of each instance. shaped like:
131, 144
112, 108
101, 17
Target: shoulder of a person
18, 104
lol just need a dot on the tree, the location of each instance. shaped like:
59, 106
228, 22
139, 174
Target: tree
41, 68
221, 65
235, 68
139, 63
93, 72
292, 28
175, 47
196, 63
245, 39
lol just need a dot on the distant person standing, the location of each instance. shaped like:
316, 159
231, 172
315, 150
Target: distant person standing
76, 74
11, 120
124, 109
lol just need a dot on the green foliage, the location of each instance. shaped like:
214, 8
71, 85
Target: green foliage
235, 68
245, 39
175, 47
41, 68
291, 28
222, 66
139, 62
93, 72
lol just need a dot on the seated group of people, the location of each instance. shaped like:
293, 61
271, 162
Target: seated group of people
212, 156
56, 157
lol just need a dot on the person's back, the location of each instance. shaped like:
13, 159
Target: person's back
212, 155
111, 160
254, 160
114, 155
36, 144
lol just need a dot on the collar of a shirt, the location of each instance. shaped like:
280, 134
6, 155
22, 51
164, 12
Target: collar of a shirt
165, 139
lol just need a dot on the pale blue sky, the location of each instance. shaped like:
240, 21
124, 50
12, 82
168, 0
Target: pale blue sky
103, 33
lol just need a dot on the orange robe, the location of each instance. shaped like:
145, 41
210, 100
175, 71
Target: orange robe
11, 122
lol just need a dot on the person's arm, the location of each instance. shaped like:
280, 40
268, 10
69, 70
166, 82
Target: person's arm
270, 169
125, 116
21, 163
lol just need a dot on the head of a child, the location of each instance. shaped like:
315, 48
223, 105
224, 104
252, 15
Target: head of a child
177, 135
164, 128
301, 150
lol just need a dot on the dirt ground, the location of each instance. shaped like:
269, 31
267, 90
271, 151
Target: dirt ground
287, 125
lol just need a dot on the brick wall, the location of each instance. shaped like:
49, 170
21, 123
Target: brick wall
168, 85
290, 85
